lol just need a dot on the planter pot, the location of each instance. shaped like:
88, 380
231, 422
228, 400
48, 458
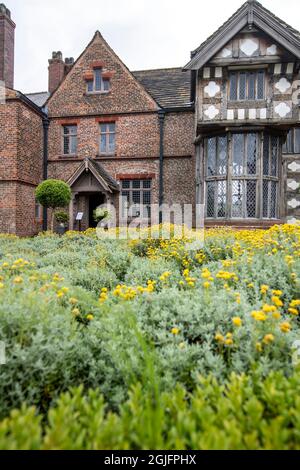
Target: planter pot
61, 229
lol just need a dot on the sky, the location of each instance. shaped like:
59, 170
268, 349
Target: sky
146, 34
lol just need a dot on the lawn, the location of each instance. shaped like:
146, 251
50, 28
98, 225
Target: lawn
147, 344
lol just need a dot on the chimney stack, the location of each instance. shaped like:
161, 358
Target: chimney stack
58, 69
7, 47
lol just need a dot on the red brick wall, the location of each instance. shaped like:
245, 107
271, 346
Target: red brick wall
21, 159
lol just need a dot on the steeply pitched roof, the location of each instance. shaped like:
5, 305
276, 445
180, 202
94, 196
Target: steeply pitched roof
251, 12
171, 88
38, 98
103, 177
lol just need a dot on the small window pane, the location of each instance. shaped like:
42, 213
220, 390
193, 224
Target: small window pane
251, 86
103, 143
237, 198
126, 184
242, 86
265, 198
274, 155
106, 85
136, 197
146, 197
251, 199
261, 85
297, 140
266, 155
147, 184
111, 143
251, 154
210, 205
90, 86
136, 184
222, 155
238, 154
273, 200
233, 86
211, 156
98, 79
112, 127
221, 198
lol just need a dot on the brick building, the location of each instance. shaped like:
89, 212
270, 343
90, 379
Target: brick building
221, 131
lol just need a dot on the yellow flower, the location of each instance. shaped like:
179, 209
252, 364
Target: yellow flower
277, 301
276, 315
76, 312
285, 327
1, 285
295, 303
279, 293
258, 347
237, 321
73, 301
181, 346
258, 315
90, 317
175, 331
269, 338
18, 280
264, 289
293, 311
104, 289
229, 342
219, 338
250, 285
269, 308
206, 284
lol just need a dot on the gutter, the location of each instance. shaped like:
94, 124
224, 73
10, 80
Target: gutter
161, 117
46, 123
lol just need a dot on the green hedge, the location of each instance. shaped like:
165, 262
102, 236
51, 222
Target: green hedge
242, 413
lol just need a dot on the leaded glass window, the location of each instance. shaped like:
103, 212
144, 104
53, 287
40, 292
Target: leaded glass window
70, 140
239, 183
136, 194
245, 85
292, 144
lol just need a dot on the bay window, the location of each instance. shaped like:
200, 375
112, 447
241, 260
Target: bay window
242, 176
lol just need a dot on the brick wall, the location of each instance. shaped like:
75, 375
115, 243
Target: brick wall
7, 45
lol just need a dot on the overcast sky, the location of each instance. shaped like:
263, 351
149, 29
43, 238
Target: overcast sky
144, 33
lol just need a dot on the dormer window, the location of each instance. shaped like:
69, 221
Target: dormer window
247, 85
97, 82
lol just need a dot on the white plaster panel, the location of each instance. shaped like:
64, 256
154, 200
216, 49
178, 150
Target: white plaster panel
294, 167
293, 185
283, 85
218, 72
212, 89
252, 113
226, 52
293, 221
206, 72
290, 68
294, 203
211, 112
277, 69
272, 50
283, 109
230, 114
263, 113
249, 46
241, 114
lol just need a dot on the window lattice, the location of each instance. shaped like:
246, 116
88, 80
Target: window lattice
244, 85
237, 185
70, 140
136, 194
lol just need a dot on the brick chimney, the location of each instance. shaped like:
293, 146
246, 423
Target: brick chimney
58, 69
7, 47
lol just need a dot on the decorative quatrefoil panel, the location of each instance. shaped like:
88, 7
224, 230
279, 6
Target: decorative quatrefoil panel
211, 112
294, 203
282, 109
283, 85
248, 47
294, 166
212, 89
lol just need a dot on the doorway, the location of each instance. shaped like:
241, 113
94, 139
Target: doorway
95, 200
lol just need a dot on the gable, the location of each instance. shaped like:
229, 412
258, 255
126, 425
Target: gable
252, 16
126, 93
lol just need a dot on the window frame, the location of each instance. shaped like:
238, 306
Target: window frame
285, 148
141, 190
247, 72
70, 136
107, 134
229, 178
103, 81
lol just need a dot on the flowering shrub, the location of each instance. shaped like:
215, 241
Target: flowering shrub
74, 310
